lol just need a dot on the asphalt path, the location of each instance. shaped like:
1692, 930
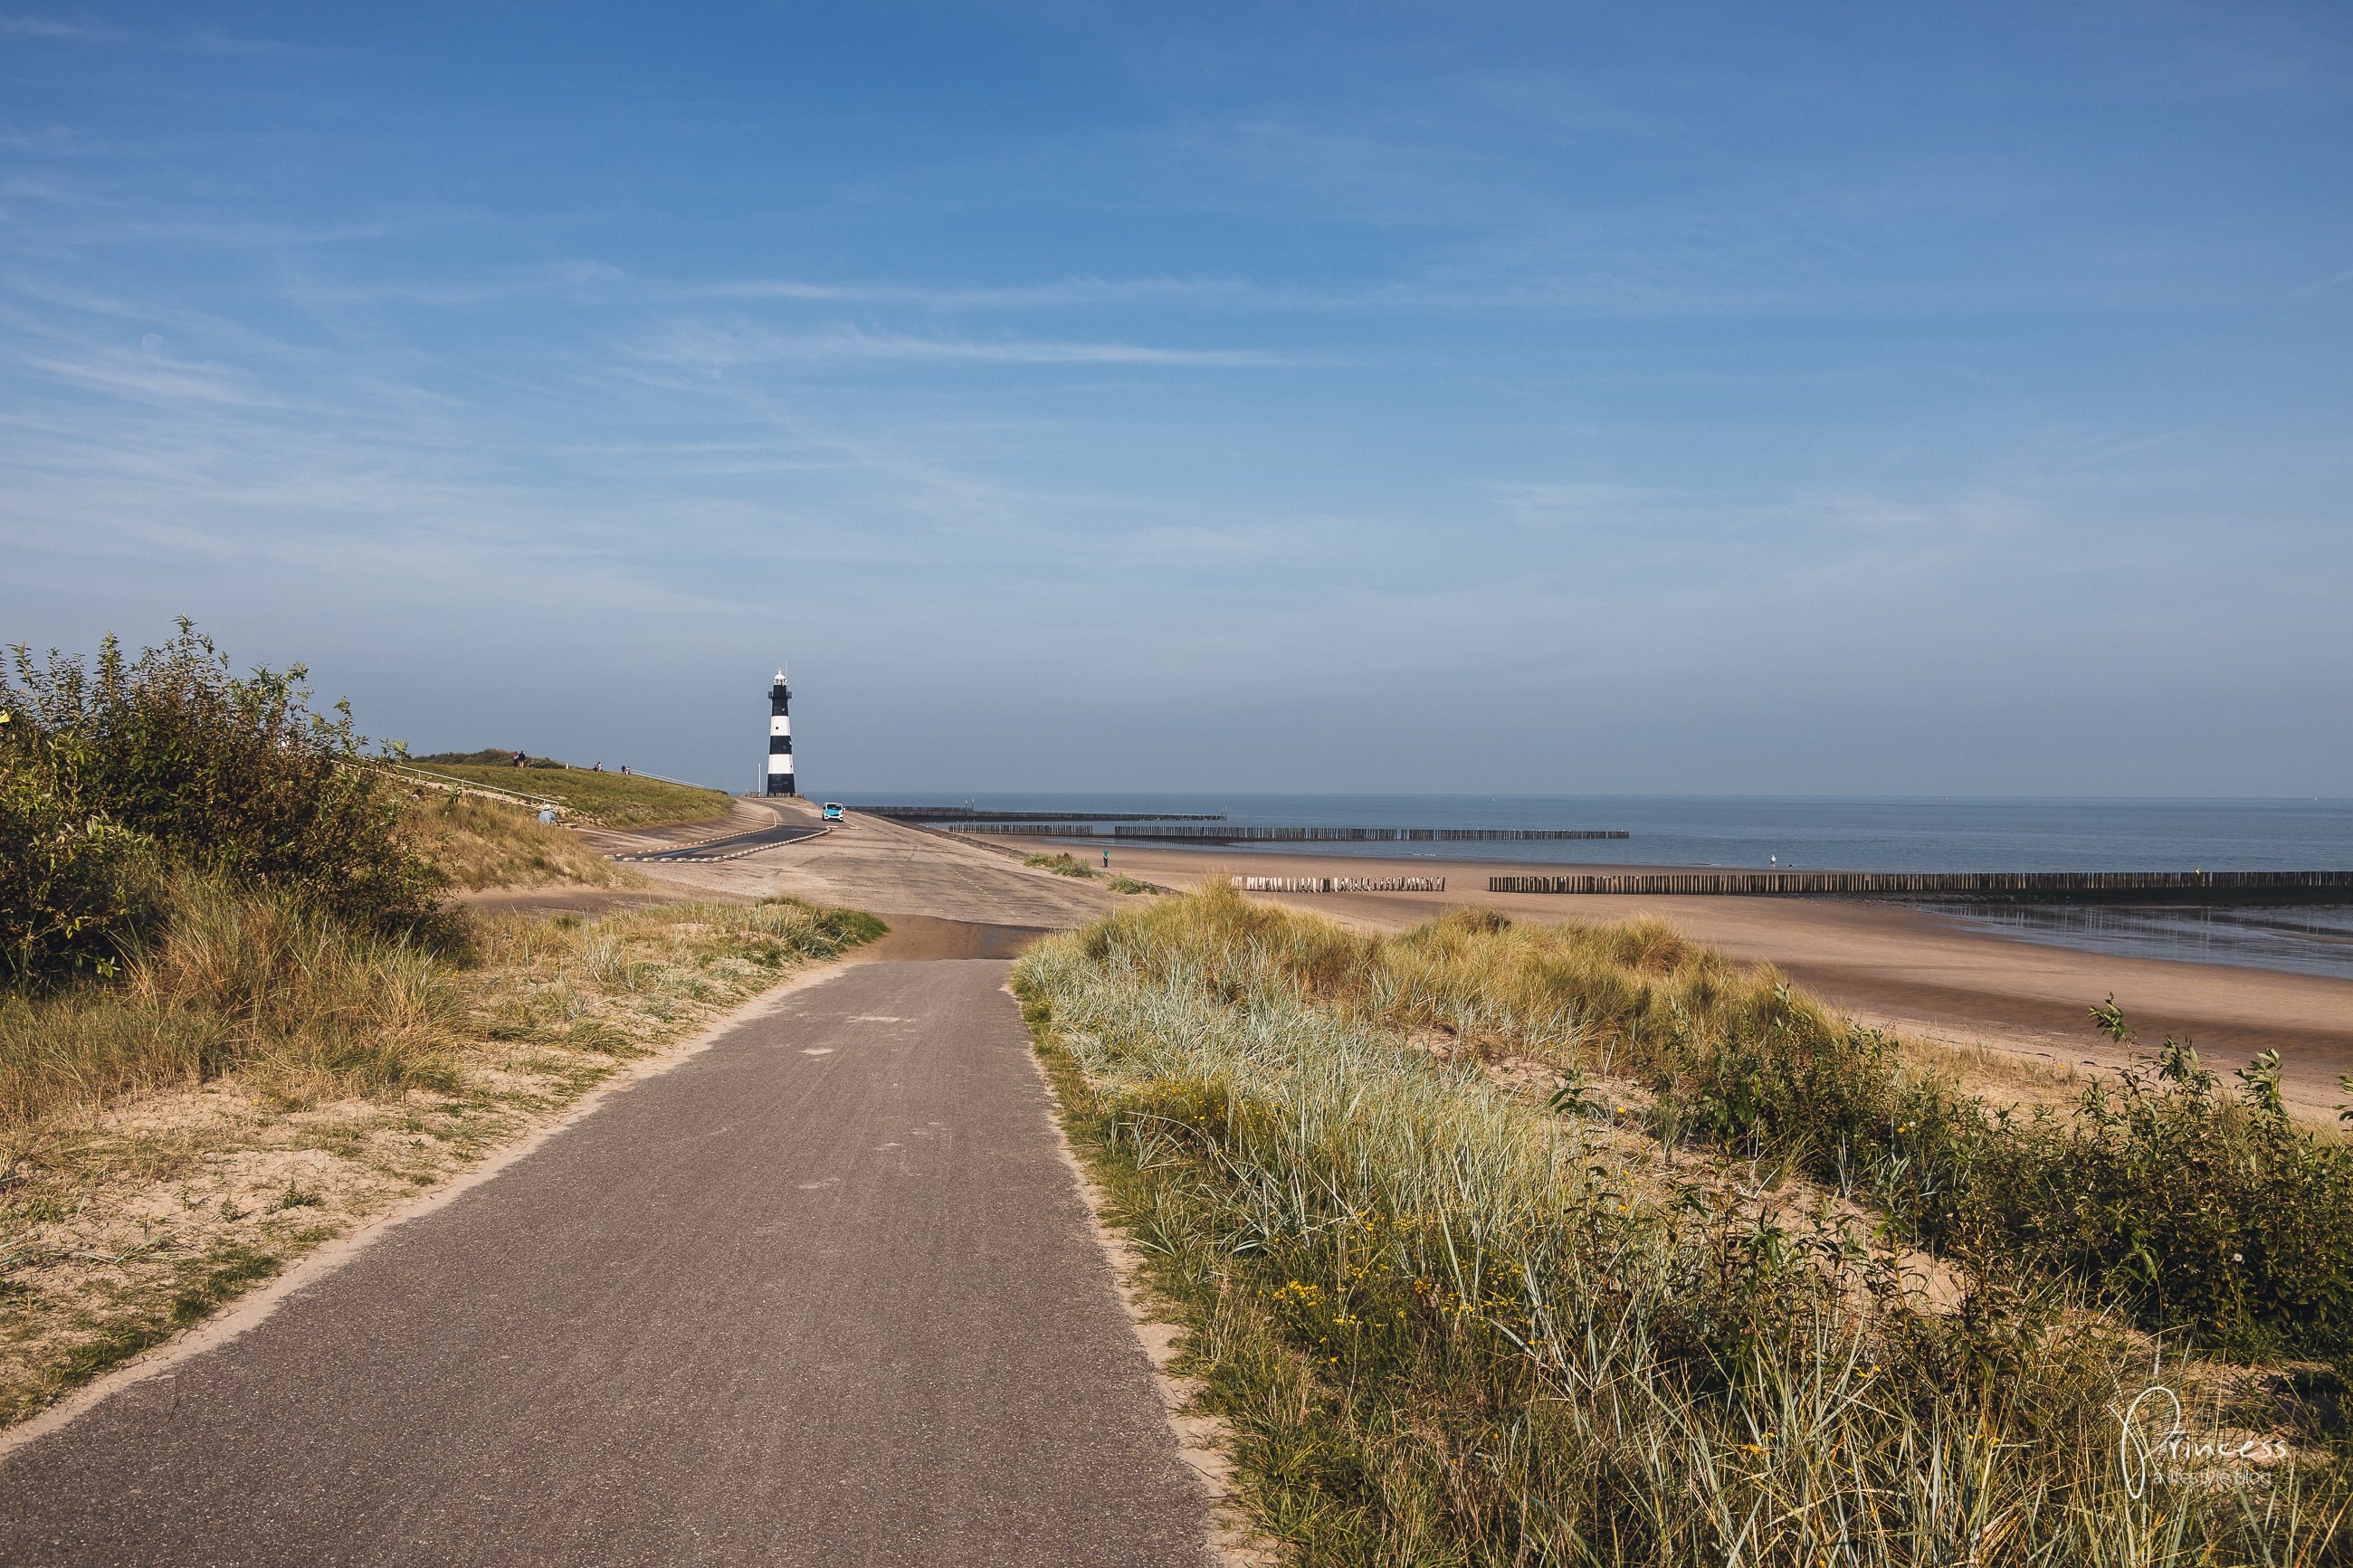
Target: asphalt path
824, 1293
891, 870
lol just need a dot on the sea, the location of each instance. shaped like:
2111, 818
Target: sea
1863, 834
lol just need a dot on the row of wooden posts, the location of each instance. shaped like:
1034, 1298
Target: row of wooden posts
2079, 886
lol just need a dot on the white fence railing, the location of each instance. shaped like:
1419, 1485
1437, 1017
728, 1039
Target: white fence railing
465, 786
1341, 884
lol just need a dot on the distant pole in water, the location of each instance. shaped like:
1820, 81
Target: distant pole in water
780, 737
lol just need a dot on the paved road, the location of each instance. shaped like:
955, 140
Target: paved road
868, 863
824, 1294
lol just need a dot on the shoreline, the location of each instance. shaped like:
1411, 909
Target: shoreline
1890, 965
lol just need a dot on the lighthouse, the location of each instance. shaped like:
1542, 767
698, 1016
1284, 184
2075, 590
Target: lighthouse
780, 738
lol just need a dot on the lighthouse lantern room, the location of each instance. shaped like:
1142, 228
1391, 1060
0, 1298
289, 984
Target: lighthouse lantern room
780, 738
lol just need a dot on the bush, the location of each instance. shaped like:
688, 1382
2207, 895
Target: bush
2187, 1205
234, 775
72, 889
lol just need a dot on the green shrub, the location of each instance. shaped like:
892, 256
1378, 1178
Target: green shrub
233, 775
72, 889
2191, 1208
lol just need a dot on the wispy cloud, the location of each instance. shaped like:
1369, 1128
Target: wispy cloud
2327, 283
709, 347
44, 27
208, 41
120, 376
1065, 291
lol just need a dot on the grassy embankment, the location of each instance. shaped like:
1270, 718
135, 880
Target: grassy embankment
478, 843
601, 799
1502, 1244
237, 1020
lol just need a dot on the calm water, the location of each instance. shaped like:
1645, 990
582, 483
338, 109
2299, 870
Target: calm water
1868, 835
2306, 939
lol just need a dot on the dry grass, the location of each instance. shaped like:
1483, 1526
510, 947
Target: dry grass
479, 843
251, 982
1062, 865
262, 1082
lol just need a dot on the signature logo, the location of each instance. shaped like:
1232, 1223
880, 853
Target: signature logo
2152, 1445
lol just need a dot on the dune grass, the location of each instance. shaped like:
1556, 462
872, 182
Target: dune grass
254, 980
606, 799
2193, 1209
1450, 1324
478, 843
1068, 865
1062, 865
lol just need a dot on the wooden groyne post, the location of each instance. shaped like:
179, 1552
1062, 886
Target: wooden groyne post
2018, 887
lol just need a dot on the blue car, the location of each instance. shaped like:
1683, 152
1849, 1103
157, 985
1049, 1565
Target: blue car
832, 812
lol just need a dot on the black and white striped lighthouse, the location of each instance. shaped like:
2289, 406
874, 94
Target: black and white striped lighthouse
780, 738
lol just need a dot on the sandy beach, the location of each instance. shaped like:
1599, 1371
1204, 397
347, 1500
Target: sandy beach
1888, 965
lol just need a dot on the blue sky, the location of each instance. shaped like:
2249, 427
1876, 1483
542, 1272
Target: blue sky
1547, 399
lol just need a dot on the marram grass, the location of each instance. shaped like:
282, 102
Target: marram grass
1449, 1327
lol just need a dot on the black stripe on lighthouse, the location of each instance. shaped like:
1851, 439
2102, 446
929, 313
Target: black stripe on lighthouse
780, 738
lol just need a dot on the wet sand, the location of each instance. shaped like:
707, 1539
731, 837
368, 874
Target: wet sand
1888, 965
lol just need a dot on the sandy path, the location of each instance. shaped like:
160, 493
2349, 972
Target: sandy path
1888, 965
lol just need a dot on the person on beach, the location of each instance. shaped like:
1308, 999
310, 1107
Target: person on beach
1106, 859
